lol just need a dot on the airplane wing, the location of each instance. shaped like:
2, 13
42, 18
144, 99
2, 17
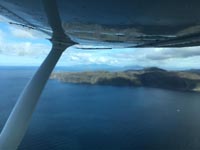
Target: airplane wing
139, 23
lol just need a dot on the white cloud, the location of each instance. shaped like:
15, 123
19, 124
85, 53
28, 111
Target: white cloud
11, 60
2, 35
19, 47
74, 56
24, 49
17, 32
169, 53
11, 42
26, 33
14, 51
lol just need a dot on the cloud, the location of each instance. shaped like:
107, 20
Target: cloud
24, 48
12, 44
20, 32
77, 57
19, 47
171, 53
186, 57
11, 60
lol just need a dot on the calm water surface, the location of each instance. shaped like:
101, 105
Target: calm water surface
83, 117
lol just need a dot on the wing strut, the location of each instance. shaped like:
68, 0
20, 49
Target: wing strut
18, 121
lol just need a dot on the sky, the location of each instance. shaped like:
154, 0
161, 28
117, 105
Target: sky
25, 47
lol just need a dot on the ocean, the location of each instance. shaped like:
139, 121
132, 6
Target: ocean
92, 117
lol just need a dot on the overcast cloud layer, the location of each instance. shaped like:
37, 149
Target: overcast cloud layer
19, 47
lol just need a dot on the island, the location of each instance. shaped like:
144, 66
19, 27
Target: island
148, 77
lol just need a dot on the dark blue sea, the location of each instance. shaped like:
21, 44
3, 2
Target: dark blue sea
85, 117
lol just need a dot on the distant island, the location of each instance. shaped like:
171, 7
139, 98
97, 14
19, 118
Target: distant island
149, 77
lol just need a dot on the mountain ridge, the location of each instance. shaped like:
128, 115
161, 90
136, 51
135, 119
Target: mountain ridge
147, 77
